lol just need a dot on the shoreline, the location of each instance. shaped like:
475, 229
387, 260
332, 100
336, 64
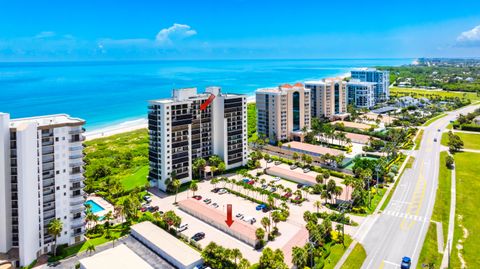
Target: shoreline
141, 123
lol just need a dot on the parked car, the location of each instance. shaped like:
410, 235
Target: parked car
276, 179
299, 186
222, 191
197, 197
293, 167
269, 161
297, 198
143, 209
264, 186
215, 205
182, 227
266, 209
153, 208
239, 216
434, 140
306, 170
287, 195
198, 236
277, 162
439, 130
207, 201
249, 219
251, 182
260, 207
147, 198
215, 190
406, 263
245, 180
273, 189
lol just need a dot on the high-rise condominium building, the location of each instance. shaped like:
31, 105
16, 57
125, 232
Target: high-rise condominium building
361, 94
194, 125
283, 112
381, 78
41, 179
328, 97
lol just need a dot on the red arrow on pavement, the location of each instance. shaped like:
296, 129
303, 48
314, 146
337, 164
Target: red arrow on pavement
229, 220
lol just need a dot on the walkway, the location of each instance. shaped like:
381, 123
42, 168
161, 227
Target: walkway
451, 222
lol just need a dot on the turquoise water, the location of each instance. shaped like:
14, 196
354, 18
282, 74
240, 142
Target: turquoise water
105, 93
94, 206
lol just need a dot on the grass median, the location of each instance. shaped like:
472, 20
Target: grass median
356, 258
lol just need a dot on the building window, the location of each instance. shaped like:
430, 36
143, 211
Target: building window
296, 111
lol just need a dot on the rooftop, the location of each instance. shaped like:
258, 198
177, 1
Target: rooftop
280, 88
362, 83
319, 150
238, 229
48, 120
166, 242
118, 257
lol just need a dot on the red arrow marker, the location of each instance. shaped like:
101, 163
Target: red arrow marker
229, 220
207, 102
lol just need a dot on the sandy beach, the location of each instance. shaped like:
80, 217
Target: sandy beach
123, 127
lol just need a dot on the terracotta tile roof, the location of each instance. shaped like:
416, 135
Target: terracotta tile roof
298, 84
311, 148
286, 86
239, 229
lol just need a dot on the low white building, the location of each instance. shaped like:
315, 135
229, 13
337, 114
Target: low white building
361, 94
118, 257
166, 245
41, 166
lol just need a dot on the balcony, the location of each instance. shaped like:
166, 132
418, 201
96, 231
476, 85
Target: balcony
79, 186
77, 233
76, 156
76, 200
77, 131
78, 223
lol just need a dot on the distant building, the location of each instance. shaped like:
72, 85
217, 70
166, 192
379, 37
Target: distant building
41, 179
328, 97
381, 78
361, 94
283, 111
194, 125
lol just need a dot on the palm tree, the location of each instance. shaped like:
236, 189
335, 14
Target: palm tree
348, 182
54, 229
199, 164
236, 254
319, 178
176, 185
114, 237
276, 217
244, 264
90, 248
108, 217
260, 234
317, 205
118, 209
295, 156
266, 224
193, 186
91, 218
299, 257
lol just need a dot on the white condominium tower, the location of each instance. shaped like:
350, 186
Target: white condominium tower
41, 179
381, 78
283, 111
361, 94
194, 125
328, 97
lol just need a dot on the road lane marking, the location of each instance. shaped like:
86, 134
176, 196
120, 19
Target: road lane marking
416, 200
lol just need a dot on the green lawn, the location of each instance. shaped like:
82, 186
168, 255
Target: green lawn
430, 121
441, 211
356, 258
336, 253
418, 140
427, 93
444, 140
470, 141
468, 201
138, 178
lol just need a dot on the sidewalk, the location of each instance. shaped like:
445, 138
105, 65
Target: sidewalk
451, 222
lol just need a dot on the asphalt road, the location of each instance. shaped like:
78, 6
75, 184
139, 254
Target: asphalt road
401, 228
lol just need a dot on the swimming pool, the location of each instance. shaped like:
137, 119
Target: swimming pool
94, 206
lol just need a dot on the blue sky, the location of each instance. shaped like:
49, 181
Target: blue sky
237, 29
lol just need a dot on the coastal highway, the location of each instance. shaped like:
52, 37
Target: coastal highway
401, 228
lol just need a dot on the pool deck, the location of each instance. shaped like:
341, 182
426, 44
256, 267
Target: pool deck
101, 202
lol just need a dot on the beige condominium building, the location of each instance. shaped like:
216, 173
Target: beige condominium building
283, 111
328, 97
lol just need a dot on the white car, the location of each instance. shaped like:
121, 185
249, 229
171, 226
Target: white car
182, 227
275, 179
222, 191
249, 219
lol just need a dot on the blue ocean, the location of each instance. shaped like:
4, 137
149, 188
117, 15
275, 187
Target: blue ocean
108, 93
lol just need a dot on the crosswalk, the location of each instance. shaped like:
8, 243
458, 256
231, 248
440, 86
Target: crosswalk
403, 215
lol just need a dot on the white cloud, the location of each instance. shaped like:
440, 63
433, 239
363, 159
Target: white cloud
175, 32
45, 34
470, 37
